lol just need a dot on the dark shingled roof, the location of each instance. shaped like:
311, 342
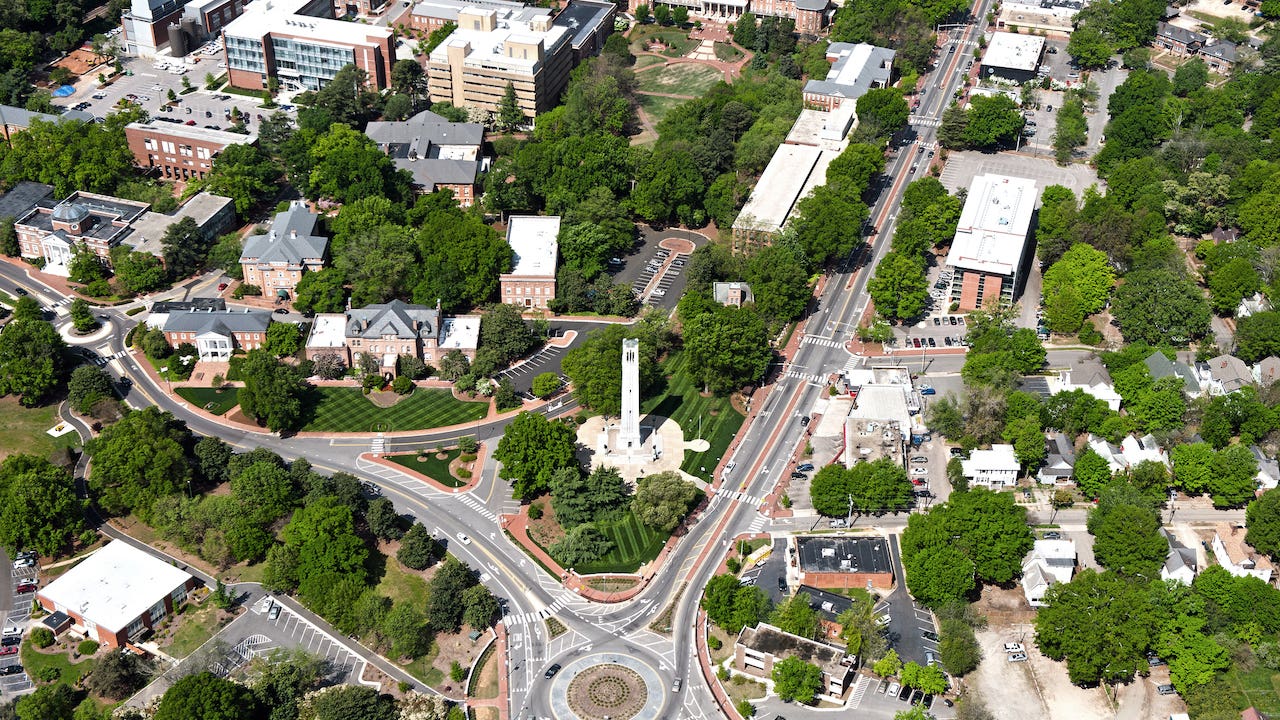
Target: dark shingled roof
24, 196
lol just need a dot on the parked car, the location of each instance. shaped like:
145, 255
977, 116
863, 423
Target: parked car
1014, 648
782, 584
839, 522
1018, 657
10, 670
23, 563
222, 286
24, 588
805, 467
275, 611
804, 421
12, 630
1165, 689
928, 389
282, 311
11, 650
893, 689
551, 671
10, 640
920, 459
904, 693
1053, 535
929, 635
919, 471
799, 475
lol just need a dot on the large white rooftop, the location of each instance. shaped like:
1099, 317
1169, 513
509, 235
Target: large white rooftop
791, 174
992, 234
488, 47
461, 332
533, 240
328, 330
115, 585
1014, 51
197, 133
261, 17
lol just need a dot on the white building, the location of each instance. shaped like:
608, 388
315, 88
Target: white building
991, 238
1049, 562
994, 468
855, 69
792, 173
1130, 452
1012, 56
1238, 558
532, 280
1103, 391
1180, 565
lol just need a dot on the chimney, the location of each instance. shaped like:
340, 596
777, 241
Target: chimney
293, 234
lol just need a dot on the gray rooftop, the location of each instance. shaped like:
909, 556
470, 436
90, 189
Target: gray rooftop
22, 117
1179, 34
110, 215
1222, 49
433, 150
854, 71
396, 318
1180, 556
1160, 366
813, 5
23, 197
221, 322
828, 604
843, 554
292, 239
582, 18
770, 640
173, 306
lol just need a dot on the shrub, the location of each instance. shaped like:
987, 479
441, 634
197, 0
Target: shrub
1089, 335
98, 288
87, 647
41, 637
464, 473
535, 511
785, 501
467, 457
714, 643
457, 672
402, 385
722, 672
745, 708
242, 290
48, 673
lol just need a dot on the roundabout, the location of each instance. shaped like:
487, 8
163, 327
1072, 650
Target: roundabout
608, 686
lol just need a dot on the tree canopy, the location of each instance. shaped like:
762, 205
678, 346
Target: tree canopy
532, 448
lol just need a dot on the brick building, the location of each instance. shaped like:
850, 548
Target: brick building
532, 280
844, 562
180, 152
217, 334
388, 330
276, 261
440, 155
855, 69
117, 594
87, 220
988, 255
759, 648
14, 120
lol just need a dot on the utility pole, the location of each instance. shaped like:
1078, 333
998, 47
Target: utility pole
848, 520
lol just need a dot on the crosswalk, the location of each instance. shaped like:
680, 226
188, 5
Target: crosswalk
859, 689
807, 377
757, 524
476, 506
62, 303
924, 121
378, 444
102, 360
824, 342
740, 497
534, 615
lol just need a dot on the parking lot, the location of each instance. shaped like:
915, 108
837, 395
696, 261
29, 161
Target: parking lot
1056, 65
256, 633
908, 622
16, 609
649, 260
149, 86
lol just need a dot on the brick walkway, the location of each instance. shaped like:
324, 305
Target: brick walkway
504, 691
708, 672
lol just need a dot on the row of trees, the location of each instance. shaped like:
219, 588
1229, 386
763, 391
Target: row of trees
868, 487
989, 121
928, 218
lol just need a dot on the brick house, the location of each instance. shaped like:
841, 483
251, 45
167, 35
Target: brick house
438, 154
276, 261
1177, 40
532, 280
217, 335
118, 594
388, 330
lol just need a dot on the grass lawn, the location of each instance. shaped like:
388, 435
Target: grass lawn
634, 545
642, 61
677, 41
690, 79
340, 409
1259, 688
195, 627
431, 466
400, 585
657, 107
36, 661
23, 429
684, 403
215, 401
727, 52
484, 680
422, 668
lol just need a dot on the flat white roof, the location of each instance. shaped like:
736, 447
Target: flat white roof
196, 133
487, 46
261, 17
461, 332
792, 172
115, 585
533, 240
1055, 549
992, 234
328, 330
1000, 458
1014, 51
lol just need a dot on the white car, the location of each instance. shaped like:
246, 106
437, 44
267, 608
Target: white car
658, 293
884, 620
919, 471
462, 538
1018, 657
12, 630
1014, 648
23, 563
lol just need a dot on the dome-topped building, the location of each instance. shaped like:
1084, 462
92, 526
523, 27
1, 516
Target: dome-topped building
71, 217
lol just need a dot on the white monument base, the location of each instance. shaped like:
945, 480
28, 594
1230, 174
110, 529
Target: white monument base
661, 448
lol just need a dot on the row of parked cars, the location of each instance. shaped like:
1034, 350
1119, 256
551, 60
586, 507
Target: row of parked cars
893, 688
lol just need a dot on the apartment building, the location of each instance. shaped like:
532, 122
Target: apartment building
526, 47
180, 152
276, 261
438, 154
301, 44
989, 249
532, 280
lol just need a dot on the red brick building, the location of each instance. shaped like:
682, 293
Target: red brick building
180, 152
844, 562
118, 594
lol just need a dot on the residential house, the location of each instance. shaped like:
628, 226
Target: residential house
828, 605
1252, 305
388, 330
1097, 385
532, 280
1159, 366
218, 334
1130, 452
1224, 374
1180, 565
759, 648
732, 293
843, 562
1049, 562
994, 468
1267, 371
1220, 55
1268, 469
118, 594
160, 310
1178, 40
1237, 557
440, 155
1059, 463
276, 261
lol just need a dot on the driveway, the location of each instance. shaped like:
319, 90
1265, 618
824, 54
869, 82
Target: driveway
908, 620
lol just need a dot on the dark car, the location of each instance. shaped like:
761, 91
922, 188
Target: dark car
915, 697
1165, 689
904, 693
929, 635
551, 671
782, 584
804, 421
282, 311
928, 701
805, 467
799, 475
24, 588
20, 292
10, 669
11, 640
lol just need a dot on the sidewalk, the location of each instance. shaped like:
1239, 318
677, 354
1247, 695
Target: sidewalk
709, 673
504, 691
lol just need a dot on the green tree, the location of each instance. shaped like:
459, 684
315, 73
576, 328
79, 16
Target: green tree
272, 392
481, 607
348, 166
510, 116
1087, 271
1262, 517
795, 679
417, 548
205, 696
794, 615
899, 288
883, 109
1160, 306
184, 247
39, 508
889, 665
50, 702
1089, 48
322, 533
1127, 538
1100, 623
662, 500
82, 317
940, 575
244, 173
321, 292
406, 627
728, 348
137, 460
506, 335
545, 384
1070, 130
348, 702
1091, 472
117, 675
595, 366
958, 648
384, 522
1027, 439
532, 448
88, 385
1258, 335
32, 359
1235, 470
579, 498
283, 339
992, 120
1190, 76
137, 272
446, 591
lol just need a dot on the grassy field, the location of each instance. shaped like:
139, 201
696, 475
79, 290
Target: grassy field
339, 409
422, 667
727, 52
195, 628
683, 402
642, 61
634, 545
677, 41
1259, 688
400, 585
689, 79
431, 466
657, 107
23, 429
215, 401
70, 673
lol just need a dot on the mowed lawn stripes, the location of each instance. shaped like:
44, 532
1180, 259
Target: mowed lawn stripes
683, 402
338, 409
633, 545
